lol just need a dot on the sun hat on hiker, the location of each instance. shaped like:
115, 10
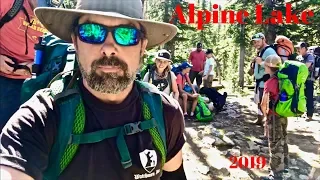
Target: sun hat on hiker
257, 36
164, 55
60, 21
273, 61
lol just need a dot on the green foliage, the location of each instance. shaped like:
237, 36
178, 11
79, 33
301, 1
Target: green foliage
226, 39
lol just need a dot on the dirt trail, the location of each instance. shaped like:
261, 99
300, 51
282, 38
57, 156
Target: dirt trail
205, 157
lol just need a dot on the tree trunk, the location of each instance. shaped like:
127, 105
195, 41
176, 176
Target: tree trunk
242, 54
270, 29
170, 46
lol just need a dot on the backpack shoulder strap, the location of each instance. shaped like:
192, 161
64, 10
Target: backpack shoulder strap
16, 7
170, 81
263, 50
152, 108
62, 152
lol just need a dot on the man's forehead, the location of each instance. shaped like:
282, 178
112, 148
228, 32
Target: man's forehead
107, 21
255, 41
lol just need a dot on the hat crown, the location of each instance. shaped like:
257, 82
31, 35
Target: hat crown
131, 8
164, 54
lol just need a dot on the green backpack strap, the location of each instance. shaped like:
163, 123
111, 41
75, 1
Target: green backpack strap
152, 108
62, 152
71, 135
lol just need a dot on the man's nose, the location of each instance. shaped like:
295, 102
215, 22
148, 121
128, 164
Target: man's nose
109, 46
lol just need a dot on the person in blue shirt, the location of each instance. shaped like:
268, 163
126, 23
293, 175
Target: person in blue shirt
259, 42
308, 59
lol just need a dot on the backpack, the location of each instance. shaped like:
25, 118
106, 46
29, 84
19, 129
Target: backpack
152, 81
59, 57
292, 76
281, 43
176, 69
316, 67
202, 112
60, 82
218, 100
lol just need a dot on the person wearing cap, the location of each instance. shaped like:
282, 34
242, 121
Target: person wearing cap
17, 39
208, 72
276, 125
259, 42
110, 38
182, 79
161, 76
308, 59
197, 58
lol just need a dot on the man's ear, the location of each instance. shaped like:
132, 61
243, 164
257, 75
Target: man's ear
144, 43
74, 41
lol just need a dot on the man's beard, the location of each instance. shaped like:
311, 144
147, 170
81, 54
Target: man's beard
108, 83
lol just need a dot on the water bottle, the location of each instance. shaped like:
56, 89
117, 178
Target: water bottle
283, 96
39, 50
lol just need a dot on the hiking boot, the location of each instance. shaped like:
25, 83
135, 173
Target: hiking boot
258, 121
309, 118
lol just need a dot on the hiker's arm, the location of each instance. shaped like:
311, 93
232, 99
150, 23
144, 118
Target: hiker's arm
175, 88
264, 103
28, 136
174, 122
8, 173
174, 169
181, 91
308, 64
310, 61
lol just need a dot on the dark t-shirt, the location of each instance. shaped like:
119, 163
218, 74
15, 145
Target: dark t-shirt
29, 135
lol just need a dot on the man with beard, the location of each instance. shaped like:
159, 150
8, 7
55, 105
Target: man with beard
110, 38
264, 50
197, 58
259, 42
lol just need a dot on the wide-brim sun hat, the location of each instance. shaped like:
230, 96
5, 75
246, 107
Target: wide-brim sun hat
60, 21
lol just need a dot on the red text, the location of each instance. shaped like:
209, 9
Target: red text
257, 162
202, 17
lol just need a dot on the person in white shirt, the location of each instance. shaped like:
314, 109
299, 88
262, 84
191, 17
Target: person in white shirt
161, 75
208, 71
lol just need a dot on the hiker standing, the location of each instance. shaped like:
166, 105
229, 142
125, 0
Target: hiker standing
132, 130
277, 125
308, 59
161, 76
182, 79
18, 36
259, 42
197, 58
208, 72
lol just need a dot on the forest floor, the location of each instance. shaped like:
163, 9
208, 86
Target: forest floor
210, 145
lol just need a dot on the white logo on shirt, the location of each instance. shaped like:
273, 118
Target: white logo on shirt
148, 159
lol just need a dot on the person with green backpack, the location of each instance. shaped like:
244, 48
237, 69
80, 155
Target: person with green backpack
283, 97
96, 121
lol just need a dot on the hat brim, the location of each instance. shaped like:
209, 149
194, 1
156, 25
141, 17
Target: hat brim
162, 58
256, 39
60, 21
271, 65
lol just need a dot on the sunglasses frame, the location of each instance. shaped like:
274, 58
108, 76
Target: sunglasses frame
141, 34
